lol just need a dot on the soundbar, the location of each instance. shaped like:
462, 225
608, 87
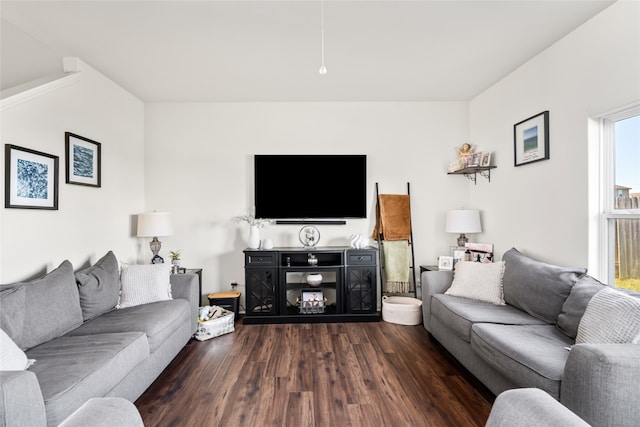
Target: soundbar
311, 221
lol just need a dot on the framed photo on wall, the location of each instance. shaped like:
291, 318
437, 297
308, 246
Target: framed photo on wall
31, 179
83, 160
531, 139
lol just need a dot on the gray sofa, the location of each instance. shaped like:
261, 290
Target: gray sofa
531, 407
82, 345
529, 341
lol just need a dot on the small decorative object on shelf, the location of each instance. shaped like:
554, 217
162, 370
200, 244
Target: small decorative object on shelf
311, 260
175, 261
313, 302
358, 241
309, 236
445, 263
254, 225
314, 279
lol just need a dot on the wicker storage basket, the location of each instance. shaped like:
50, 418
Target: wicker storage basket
215, 327
402, 310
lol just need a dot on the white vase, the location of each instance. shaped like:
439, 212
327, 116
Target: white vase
254, 237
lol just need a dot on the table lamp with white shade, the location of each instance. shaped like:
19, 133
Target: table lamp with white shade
154, 224
463, 221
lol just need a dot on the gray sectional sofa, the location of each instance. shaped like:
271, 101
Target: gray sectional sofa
83, 346
529, 341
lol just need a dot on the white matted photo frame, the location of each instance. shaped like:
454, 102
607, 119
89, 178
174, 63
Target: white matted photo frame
485, 158
31, 179
531, 139
445, 263
83, 160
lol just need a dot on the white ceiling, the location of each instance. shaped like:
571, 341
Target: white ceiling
270, 50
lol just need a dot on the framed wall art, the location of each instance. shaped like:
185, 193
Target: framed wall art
31, 179
83, 160
531, 139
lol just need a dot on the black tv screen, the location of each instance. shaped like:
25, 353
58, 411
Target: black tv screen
310, 186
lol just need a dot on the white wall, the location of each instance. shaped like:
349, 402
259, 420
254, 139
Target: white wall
541, 208
90, 221
199, 166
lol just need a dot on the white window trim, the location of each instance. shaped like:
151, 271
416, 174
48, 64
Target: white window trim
606, 155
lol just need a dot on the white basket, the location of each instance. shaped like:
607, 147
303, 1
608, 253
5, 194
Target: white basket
402, 310
215, 327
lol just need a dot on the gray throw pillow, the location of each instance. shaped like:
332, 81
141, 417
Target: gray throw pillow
99, 286
575, 305
50, 309
535, 287
12, 310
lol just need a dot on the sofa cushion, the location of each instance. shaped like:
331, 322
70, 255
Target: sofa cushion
538, 288
71, 370
58, 294
144, 283
576, 303
99, 286
611, 317
479, 281
529, 355
12, 309
11, 357
460, 314
157, 320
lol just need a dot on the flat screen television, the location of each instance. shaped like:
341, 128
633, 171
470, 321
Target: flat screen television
310, 186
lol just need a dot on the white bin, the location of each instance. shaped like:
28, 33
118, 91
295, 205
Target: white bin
402, 310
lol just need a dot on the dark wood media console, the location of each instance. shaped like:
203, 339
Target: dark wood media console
276, 281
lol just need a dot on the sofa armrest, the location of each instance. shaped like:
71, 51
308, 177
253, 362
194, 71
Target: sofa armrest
433, 282
186, 286
600, 383
21, 402
105, 412
531, 407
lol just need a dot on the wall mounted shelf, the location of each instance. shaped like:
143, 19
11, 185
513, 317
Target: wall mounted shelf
472, 171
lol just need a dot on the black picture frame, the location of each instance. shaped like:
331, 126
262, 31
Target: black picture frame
531, 139
83, 157
31, 179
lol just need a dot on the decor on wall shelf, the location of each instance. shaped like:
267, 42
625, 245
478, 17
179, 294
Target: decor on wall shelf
83, 158
485, 158
154, 224
31, 179
531, 139
309, 236
463, 221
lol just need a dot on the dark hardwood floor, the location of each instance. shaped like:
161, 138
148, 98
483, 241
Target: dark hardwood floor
319, 374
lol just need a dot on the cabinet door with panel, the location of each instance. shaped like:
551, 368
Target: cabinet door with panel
261, 283
361, 282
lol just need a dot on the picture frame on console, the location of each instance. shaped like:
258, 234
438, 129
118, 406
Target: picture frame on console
531, 139
83, 158
31, 179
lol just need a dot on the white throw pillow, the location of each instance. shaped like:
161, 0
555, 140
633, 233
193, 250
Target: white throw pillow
610, 317
12, 358
143, 284
478, 281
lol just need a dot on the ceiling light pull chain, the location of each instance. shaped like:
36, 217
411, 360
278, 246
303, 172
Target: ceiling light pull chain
323, 69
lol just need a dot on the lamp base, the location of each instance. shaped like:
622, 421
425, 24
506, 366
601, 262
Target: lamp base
462, 240
155, 248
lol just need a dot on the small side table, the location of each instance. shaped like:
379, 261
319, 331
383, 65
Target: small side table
197, 271
428, 268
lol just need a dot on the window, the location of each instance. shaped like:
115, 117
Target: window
620, 198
